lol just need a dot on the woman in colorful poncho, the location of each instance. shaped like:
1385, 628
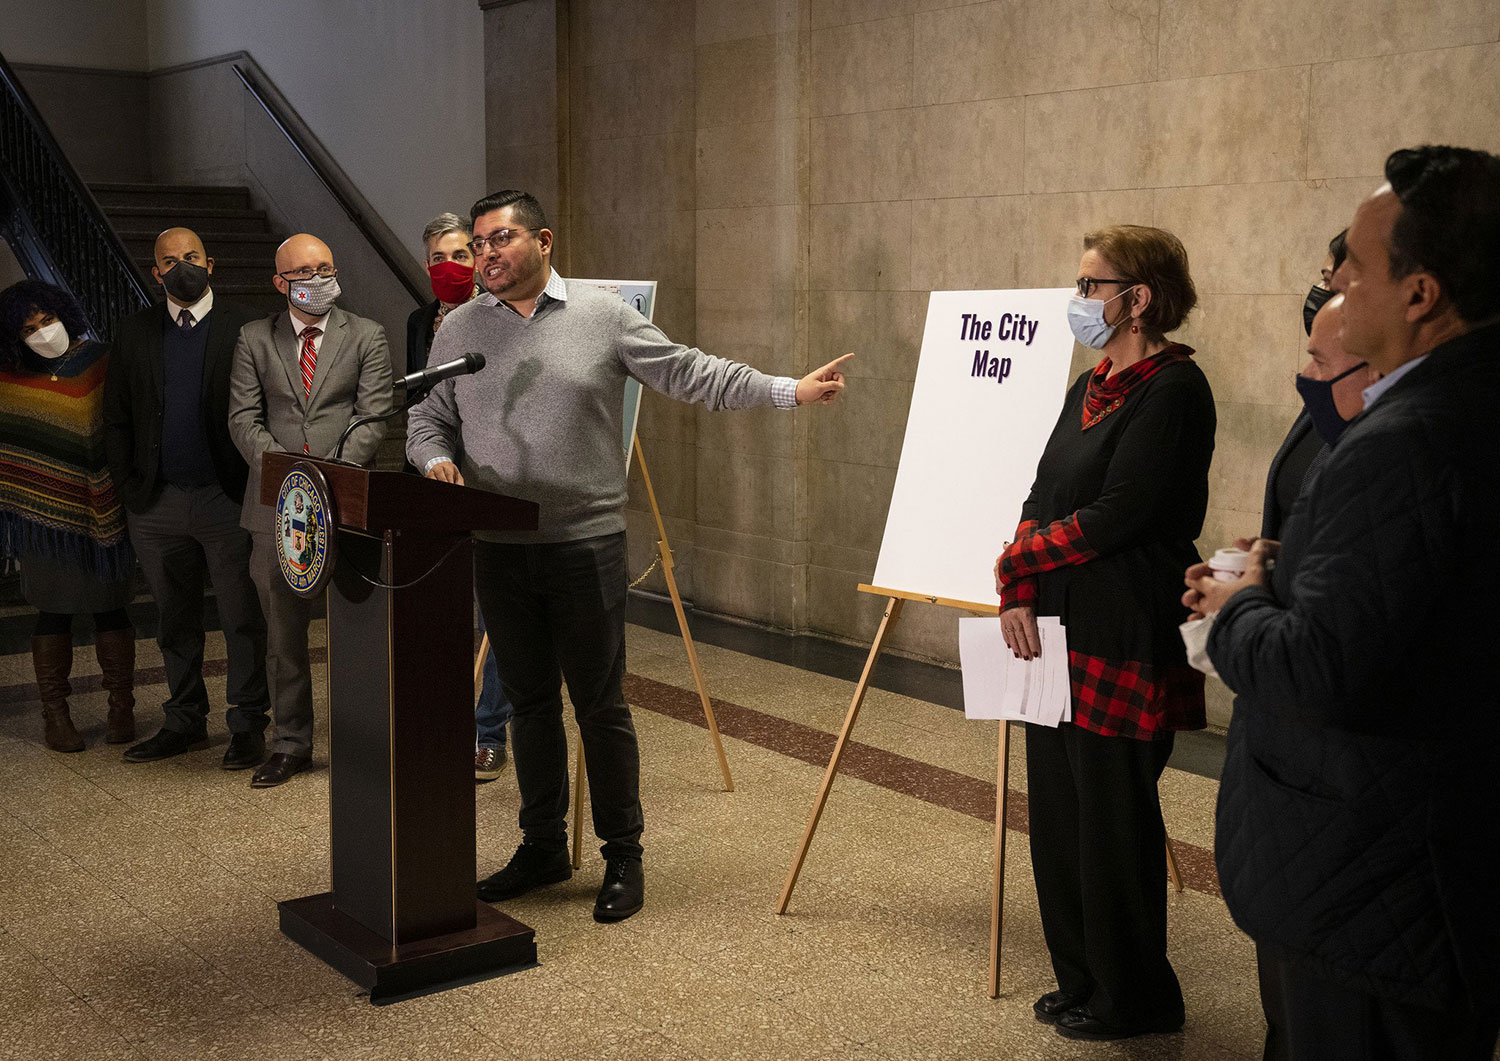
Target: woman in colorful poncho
58, 512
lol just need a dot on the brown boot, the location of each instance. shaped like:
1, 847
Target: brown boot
116, 652
52, 656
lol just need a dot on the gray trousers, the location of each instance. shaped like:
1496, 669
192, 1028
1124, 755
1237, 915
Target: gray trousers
185, 536
287, 666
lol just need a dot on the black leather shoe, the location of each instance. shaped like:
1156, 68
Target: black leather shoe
1054, 1004
278, 770
245, 750
624, 889
1080, 1023
529, 868
164, 745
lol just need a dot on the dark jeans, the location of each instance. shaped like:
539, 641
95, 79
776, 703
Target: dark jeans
185, 536
492, 712
1309, 1018
1098, 852
561, 607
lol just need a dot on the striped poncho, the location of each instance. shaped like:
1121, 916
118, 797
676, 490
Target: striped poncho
56, 495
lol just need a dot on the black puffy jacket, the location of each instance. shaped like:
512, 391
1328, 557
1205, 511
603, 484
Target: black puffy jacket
1359, 810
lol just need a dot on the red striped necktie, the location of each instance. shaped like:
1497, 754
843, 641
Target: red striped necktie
309, 362
309, 359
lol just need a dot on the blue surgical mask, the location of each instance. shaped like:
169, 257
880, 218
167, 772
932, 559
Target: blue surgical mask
1086, 318
1317, 399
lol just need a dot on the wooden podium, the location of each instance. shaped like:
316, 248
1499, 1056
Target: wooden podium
402, 916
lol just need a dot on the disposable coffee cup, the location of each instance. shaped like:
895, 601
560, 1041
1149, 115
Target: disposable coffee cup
1229, 565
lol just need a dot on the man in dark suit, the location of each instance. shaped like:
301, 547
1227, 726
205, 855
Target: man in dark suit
299, 378
1356, 826
166, 403
1332, 385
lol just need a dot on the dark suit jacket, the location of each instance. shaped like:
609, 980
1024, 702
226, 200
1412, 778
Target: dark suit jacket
1356, 818
418, 346
1272, 517
419, 336
135, 394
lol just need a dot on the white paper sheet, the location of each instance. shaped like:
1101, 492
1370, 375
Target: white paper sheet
998, 685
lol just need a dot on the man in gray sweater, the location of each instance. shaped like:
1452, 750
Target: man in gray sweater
543, 421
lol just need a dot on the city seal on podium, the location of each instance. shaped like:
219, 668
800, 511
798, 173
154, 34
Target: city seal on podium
305, 529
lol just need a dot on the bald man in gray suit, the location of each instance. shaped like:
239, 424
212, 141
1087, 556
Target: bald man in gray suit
299, 379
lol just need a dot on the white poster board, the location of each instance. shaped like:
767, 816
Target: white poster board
641, 294
990, 381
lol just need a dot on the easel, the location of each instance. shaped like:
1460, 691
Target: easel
895, 600
668, 564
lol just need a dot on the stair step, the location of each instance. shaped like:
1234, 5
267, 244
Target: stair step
250, 246
199, 218
207, 233
170, 196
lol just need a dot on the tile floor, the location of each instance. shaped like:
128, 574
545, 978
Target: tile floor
138, 918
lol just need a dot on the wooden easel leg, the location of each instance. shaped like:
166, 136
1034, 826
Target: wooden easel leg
997, 892
892, 613
484, 651
580, 788
692, 655
1172, 872
667, 569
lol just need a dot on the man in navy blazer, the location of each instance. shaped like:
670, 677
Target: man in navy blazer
166, 420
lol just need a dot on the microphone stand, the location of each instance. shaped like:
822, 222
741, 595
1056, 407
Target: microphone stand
412, 398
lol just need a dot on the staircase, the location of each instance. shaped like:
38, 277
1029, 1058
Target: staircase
236, 236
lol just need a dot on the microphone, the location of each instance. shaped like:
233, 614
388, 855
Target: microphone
430, 377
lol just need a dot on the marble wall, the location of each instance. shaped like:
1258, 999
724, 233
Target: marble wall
798, 174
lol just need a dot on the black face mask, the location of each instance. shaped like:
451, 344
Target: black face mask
1316, 299
1317, 398
185, 282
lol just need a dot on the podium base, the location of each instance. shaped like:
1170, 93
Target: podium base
495, 945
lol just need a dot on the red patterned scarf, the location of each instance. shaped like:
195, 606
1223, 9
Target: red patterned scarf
1106, 393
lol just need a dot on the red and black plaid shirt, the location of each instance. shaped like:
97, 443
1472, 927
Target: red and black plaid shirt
1125, 698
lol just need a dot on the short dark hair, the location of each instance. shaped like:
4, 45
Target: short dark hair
1449, 224
527, 210
1156, 258
1338, 248
21, 301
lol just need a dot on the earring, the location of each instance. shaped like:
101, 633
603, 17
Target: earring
1134, 328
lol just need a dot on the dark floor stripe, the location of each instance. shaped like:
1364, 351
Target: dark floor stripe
910, 777
898, 773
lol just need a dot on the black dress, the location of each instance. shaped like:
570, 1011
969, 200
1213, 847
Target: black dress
1120, 496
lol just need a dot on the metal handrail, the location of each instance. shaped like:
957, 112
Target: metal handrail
62, 219
355, 215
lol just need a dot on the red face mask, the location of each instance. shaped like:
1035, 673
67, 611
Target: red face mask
452, 282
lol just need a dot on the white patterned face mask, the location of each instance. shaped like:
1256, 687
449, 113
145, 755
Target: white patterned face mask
50, 340
314, 297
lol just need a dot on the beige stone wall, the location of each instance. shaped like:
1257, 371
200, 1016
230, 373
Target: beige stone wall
800, 173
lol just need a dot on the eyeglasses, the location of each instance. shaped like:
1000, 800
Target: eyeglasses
322, 272
499, 239
1086, 284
